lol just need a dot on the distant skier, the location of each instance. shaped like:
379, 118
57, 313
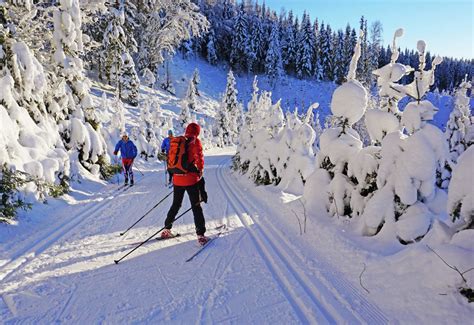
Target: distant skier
165, 149
187, 172
128, 151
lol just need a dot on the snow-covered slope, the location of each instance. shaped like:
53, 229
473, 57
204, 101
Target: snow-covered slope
293, 92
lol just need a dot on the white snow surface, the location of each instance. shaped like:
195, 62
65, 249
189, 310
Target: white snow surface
58, 266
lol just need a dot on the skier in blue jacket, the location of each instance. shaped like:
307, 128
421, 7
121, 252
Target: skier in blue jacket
165, 148
128, 151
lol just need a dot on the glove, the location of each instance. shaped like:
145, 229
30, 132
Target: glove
115, 153
202, 190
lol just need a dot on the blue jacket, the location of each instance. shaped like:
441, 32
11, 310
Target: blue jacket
127, 149
166, 145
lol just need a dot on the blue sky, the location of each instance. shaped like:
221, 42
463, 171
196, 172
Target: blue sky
445, 25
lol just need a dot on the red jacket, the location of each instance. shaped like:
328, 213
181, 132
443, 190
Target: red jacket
195, 156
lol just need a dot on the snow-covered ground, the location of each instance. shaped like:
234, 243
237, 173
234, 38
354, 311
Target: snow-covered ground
59, 267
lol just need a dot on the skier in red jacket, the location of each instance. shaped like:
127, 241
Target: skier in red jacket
191, 182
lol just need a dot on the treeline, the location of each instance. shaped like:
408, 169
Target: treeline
253, 38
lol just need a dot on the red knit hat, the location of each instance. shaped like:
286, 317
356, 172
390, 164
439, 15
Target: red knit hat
192, 130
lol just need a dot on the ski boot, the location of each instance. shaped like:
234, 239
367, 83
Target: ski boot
202, 240
166, 233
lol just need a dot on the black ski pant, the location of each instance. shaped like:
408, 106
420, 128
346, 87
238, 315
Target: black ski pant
178, 195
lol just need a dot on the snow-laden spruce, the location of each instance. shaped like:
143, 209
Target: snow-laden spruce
392, 185
341, 143
274, 148
229, 117
459, 130
461, 194
407, 198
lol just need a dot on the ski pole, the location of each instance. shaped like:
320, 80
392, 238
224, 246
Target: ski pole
139, 171
117, 174
156, 233
123, 233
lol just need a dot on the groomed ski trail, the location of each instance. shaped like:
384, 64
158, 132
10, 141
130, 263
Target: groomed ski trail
312, 296
251, 274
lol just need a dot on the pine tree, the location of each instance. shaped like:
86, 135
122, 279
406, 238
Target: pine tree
273, 62
363, 72
196, 80
339, 67
318, 69
81, 129
240, 46
326, 52
129, 82
114, 45
188, 105
459, 123
232, 112
211, 48
288, 45
148, 78
166, 24
350, 40
260, 35
304, 65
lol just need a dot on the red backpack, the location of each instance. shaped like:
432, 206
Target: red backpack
178, 156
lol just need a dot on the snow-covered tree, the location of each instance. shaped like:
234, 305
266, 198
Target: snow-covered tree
188, 105
81, 127
211, 48
148, 77
338, 50
129, 82
273, 62
338, 145
304, 62
114, 45
240, 41
407, 194
166, 24
460, 194
289, 45
232, 112
459, 123
326, 50
167, 84
196, 80
145, 136
386, 119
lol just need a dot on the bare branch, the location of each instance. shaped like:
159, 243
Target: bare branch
360, 278
305, 215
450, 266
297, 218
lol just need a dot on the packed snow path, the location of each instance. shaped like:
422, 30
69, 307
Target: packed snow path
254, 273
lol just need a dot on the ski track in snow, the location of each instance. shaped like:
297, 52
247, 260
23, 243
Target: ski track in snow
24, 256
252, 273
329, 281
320, 296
